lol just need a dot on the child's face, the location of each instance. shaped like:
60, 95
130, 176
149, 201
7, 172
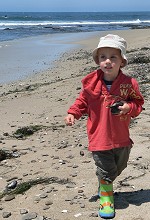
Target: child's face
110, 61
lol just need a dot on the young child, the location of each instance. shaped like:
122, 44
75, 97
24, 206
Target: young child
110, 99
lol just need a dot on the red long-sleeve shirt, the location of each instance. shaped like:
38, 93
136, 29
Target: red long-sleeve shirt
106, 131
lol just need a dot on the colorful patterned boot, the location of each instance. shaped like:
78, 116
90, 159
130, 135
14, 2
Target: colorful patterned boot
106, 209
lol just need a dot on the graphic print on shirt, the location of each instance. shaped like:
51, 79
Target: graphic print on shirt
126, 90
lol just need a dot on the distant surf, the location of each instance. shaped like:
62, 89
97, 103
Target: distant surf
15, 25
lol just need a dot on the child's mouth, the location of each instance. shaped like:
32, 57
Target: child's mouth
108, 67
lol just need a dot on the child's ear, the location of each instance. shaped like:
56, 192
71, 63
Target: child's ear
123, 63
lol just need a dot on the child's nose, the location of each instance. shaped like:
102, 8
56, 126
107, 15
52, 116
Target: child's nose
108, 60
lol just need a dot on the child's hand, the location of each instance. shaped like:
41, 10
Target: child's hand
70, 119
124, 109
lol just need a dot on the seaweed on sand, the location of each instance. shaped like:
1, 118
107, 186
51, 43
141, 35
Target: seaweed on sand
24, 186
26, 131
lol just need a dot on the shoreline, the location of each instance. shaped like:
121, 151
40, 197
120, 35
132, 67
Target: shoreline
24, 58
29, 56
54, 151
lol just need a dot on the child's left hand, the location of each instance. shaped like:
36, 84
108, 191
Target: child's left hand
124, 109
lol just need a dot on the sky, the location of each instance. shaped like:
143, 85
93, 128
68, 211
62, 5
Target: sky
73, 5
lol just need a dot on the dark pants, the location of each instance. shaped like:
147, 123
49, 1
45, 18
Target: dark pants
111, 163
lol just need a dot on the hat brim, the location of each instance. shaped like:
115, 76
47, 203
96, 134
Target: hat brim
95, 55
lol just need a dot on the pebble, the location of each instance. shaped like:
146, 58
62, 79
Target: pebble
9, 197
49, 202
94, 214
46, 207
29, 216
12, 185
82, 153
74, 175
77, 215
55, 157
80, 191
70, 156
37, 199
62, 162
64, 211
49, 190
43, 196
16, 154
23, 211
75, 166
70, 185
82, 206
6, 214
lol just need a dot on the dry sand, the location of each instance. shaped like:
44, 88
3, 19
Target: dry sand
57, 155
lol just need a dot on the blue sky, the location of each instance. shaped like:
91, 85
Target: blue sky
74, 5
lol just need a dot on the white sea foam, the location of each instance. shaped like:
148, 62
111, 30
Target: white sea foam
69, 23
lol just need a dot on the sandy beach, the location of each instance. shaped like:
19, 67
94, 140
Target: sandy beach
46, 171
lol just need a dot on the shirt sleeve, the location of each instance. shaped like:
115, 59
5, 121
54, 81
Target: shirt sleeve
136, 100
79, 107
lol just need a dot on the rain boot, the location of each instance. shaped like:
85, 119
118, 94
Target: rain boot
106, 209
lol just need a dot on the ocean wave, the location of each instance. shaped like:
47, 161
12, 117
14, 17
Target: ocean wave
20, 25
71, 23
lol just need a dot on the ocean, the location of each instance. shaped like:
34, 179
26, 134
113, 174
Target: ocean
14, 25
30, 42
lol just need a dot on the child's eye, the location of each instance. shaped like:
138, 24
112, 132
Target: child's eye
102, 56
113, 57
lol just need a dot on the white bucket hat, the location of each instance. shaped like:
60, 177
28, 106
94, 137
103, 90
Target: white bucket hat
113, 41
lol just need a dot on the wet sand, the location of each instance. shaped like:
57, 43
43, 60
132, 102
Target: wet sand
26, 57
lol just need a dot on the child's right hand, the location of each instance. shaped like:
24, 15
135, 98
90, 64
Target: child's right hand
70, 119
